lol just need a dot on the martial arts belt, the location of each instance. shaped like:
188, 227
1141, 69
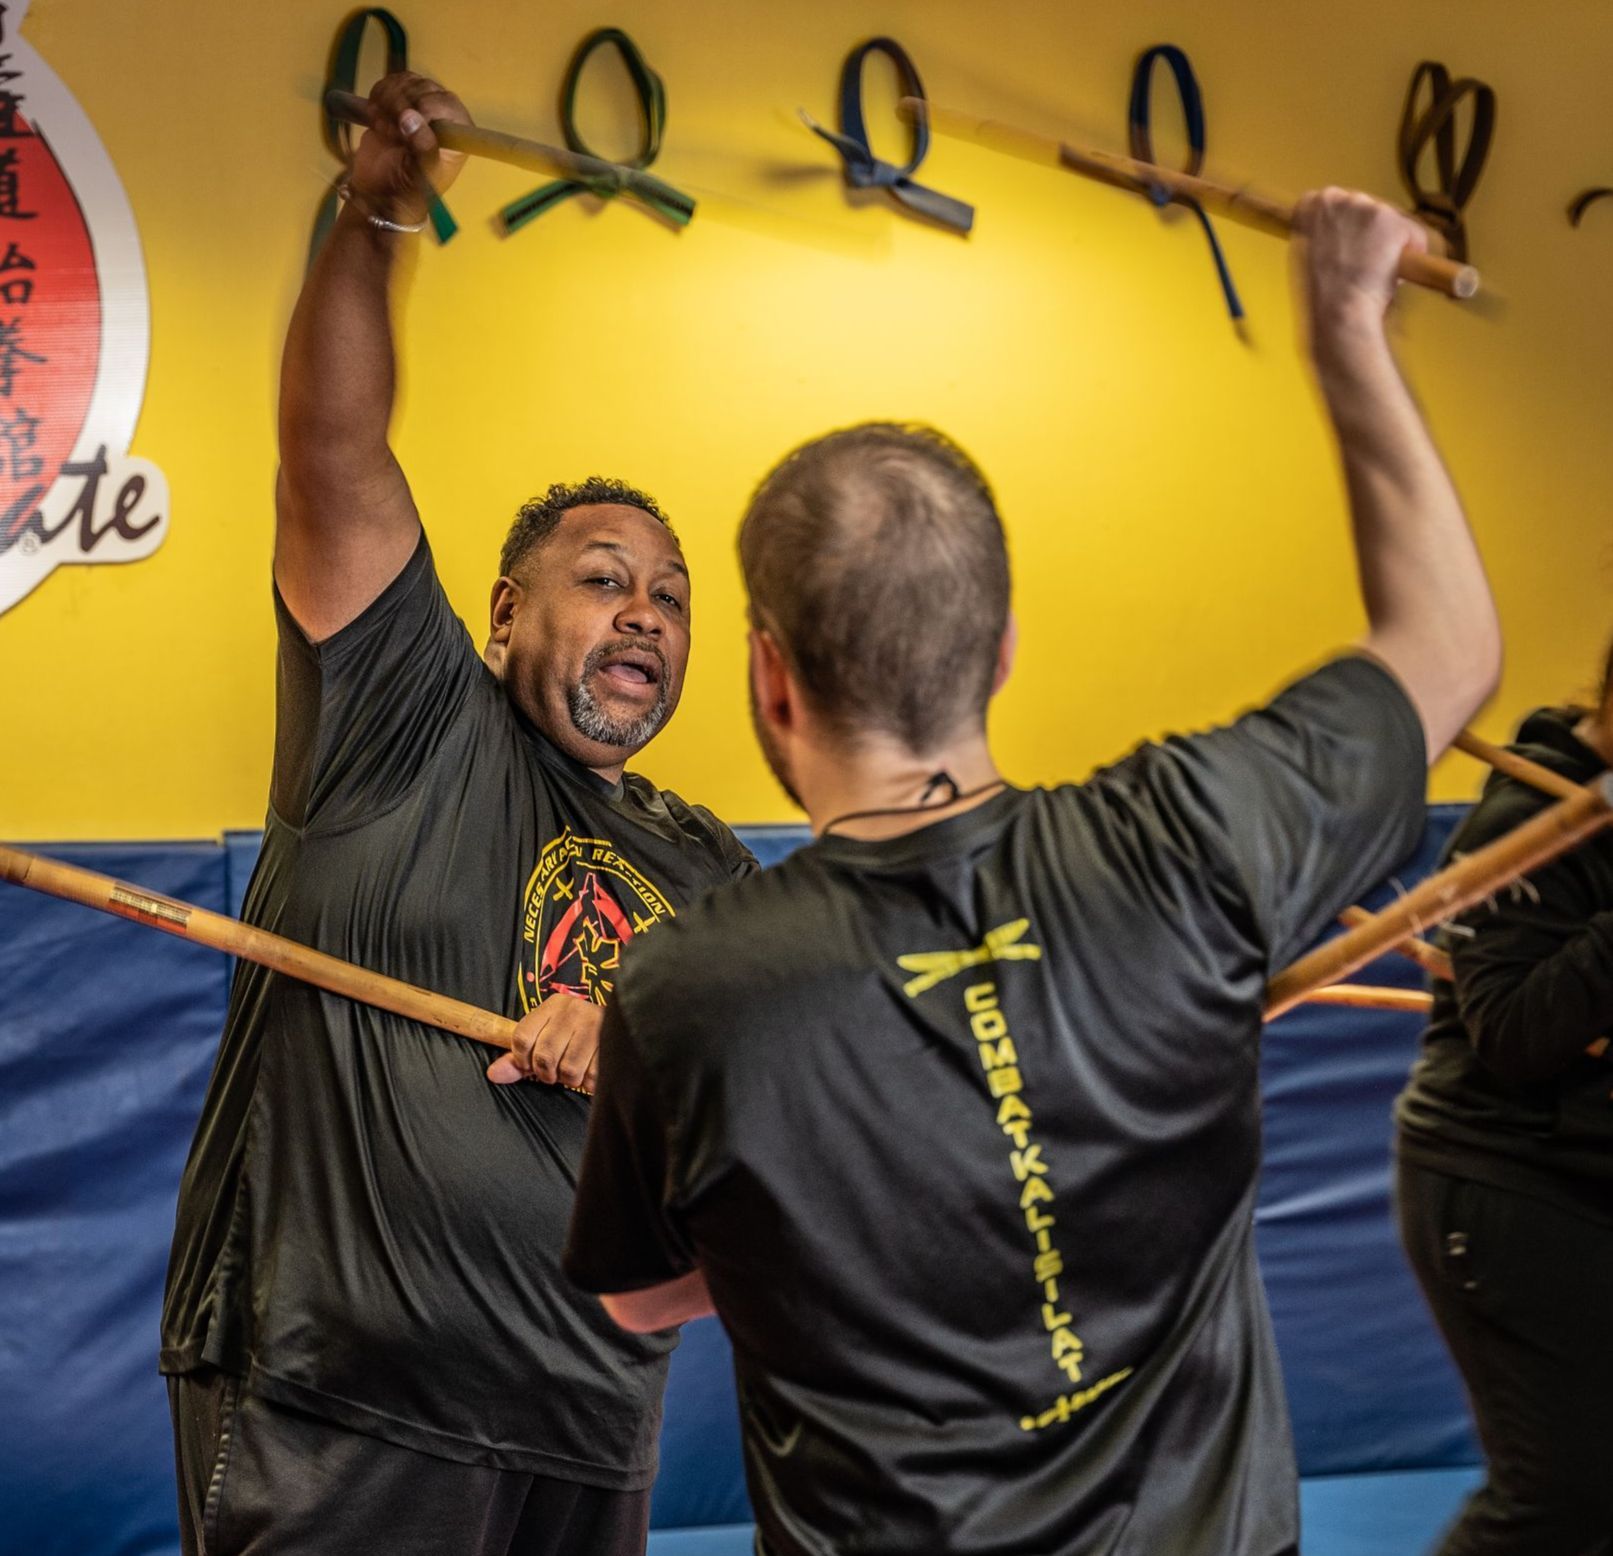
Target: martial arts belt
1142, 146
1442, 207
863, 170
338, 133
672, 204
1581, 203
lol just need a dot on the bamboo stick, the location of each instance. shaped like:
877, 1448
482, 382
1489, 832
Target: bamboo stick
1469, 880
1265, 213
553, 161
223, 933
1429, 957
1515, 766
1368, 996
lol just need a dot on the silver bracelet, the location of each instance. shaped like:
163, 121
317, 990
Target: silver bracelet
344, 192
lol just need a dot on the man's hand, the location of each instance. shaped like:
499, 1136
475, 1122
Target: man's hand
398, 158
1349, 247
556, 1043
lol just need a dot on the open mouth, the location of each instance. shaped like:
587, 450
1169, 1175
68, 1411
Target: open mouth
632, 671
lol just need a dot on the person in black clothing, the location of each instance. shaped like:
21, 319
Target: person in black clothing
1505, 1146
369, 1344
953, 1117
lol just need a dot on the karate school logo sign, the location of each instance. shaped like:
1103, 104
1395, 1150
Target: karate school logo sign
583, 904
74, 337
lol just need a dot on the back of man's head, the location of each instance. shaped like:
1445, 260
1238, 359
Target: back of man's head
875, 558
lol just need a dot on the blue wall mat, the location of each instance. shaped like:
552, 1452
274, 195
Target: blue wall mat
702, 1478
770, 844
107, 1033
240, 860
1395, 1514
1369, 1384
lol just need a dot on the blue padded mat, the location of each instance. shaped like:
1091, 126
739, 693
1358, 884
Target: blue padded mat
107, 1035
1395, 1514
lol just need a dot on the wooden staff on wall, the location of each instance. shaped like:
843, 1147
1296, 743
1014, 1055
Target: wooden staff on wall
477, 140
1263, 212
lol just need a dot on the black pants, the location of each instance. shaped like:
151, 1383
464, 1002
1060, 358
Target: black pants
1523, 1293
256, 1479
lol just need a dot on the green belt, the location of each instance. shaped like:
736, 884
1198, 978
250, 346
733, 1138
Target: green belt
339, 134
665, 201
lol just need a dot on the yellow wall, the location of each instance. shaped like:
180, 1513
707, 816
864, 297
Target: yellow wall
1177, 530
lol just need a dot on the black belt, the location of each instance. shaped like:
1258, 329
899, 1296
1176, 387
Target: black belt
661, 198
863, 169
1582, 203
1442, 207
1142, 146
338, 133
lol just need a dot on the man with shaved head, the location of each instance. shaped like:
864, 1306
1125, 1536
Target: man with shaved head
959, 1133
369, 1344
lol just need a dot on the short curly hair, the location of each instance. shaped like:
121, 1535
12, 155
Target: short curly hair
538, 519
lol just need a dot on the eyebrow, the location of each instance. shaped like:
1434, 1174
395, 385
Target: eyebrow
617, 549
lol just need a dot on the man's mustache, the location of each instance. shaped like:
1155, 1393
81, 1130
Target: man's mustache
606, 652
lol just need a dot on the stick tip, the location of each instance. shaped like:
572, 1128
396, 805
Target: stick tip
1465, 283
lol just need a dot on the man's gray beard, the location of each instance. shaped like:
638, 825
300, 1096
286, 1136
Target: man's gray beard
592, 722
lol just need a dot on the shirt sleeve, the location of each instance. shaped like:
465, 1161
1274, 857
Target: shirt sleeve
739, 859
359, 716
1309, 800
623, 1234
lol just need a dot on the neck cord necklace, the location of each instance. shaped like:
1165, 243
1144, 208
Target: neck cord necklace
938, 780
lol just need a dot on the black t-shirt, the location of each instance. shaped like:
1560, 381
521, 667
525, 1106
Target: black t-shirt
367, 1226
1504, 1091
963, 1129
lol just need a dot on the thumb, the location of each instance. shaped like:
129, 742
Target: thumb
504, 1071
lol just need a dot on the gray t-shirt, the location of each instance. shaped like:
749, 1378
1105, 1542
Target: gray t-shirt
368, 1228
963, 1128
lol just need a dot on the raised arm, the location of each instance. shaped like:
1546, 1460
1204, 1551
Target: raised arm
345, 521
1431, 618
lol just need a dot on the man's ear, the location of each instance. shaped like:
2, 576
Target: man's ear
1006, 649
500, 618
771, 688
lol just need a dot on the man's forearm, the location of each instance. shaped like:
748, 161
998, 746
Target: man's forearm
1427, 601
346, 523
661, 1307
339, 373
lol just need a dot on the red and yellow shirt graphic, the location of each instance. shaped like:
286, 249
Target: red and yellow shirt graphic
584, 902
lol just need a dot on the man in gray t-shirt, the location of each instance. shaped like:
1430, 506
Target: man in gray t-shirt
368, 1341
957, 1129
